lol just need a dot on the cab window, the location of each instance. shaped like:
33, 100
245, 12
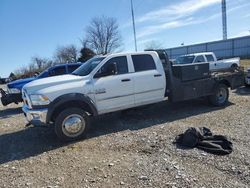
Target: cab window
143, 62
121, 65
199, 59
58, 71
210, 58
72, 68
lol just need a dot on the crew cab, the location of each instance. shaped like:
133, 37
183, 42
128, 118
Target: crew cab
117, 82
209, 57
14, 88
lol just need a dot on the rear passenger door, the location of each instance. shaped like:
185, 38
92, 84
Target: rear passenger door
149, 83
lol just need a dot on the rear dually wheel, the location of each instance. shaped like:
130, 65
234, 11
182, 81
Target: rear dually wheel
220, 96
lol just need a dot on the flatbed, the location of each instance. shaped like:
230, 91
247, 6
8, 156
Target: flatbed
190, 81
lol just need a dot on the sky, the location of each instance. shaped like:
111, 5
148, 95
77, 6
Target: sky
37, 27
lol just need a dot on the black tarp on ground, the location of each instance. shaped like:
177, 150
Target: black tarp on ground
204, 139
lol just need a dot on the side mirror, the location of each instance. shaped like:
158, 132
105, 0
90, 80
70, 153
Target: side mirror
111, 69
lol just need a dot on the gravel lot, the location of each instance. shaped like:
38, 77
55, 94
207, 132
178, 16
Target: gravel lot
132, 149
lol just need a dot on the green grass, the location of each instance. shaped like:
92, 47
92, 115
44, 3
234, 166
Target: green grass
245, 63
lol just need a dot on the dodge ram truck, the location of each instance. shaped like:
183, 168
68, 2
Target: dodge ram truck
209, 57
117, 82
14, 95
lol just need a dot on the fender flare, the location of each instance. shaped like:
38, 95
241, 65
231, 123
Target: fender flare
67, 98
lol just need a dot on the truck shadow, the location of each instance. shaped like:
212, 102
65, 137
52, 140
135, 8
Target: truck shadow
6, 113
148, 116
34, 141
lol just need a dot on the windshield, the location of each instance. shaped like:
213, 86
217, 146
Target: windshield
185, 59
88, 66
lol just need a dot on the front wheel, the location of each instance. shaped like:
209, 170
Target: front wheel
220, 97
71, 124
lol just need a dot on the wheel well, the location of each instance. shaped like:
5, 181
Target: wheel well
234, 65
71, 104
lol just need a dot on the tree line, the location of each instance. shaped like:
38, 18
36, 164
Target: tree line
101, 36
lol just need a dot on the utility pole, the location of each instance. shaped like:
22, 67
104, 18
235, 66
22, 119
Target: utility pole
224, 19
133, 20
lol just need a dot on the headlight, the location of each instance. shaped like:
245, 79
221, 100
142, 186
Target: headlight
14, 90
39, 100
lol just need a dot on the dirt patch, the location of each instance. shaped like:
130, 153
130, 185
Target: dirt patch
129, 149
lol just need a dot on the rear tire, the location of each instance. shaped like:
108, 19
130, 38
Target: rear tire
71, 124
220, 97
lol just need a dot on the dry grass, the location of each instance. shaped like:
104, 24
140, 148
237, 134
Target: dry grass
245, 63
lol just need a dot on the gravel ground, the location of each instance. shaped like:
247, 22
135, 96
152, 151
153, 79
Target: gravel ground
132, 149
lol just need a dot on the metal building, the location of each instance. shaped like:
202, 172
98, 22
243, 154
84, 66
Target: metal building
235, 47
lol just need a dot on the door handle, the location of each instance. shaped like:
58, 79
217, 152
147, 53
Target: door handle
157, 75
100, 91
125, 80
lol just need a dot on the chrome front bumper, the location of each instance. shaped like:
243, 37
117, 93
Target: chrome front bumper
36, 117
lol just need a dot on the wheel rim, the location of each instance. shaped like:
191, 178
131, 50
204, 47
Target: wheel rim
222, 95
73, 125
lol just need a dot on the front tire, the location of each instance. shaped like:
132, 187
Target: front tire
220, 97
71, 124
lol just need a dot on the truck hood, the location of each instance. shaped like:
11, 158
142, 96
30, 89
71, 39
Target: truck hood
55, 86
19, 83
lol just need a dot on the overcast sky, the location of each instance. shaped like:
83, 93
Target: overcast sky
30, 27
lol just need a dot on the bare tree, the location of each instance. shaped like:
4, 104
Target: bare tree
32, 67
153, 45
66, 54
38, 63
102, 35
22, 72
85, 54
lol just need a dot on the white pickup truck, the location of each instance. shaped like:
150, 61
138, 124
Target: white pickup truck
209, 57
117, 82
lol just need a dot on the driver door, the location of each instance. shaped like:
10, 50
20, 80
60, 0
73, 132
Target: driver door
114, 89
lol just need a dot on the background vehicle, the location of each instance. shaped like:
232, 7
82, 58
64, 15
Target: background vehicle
14, 88
2, 80
118, 82
209, 57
